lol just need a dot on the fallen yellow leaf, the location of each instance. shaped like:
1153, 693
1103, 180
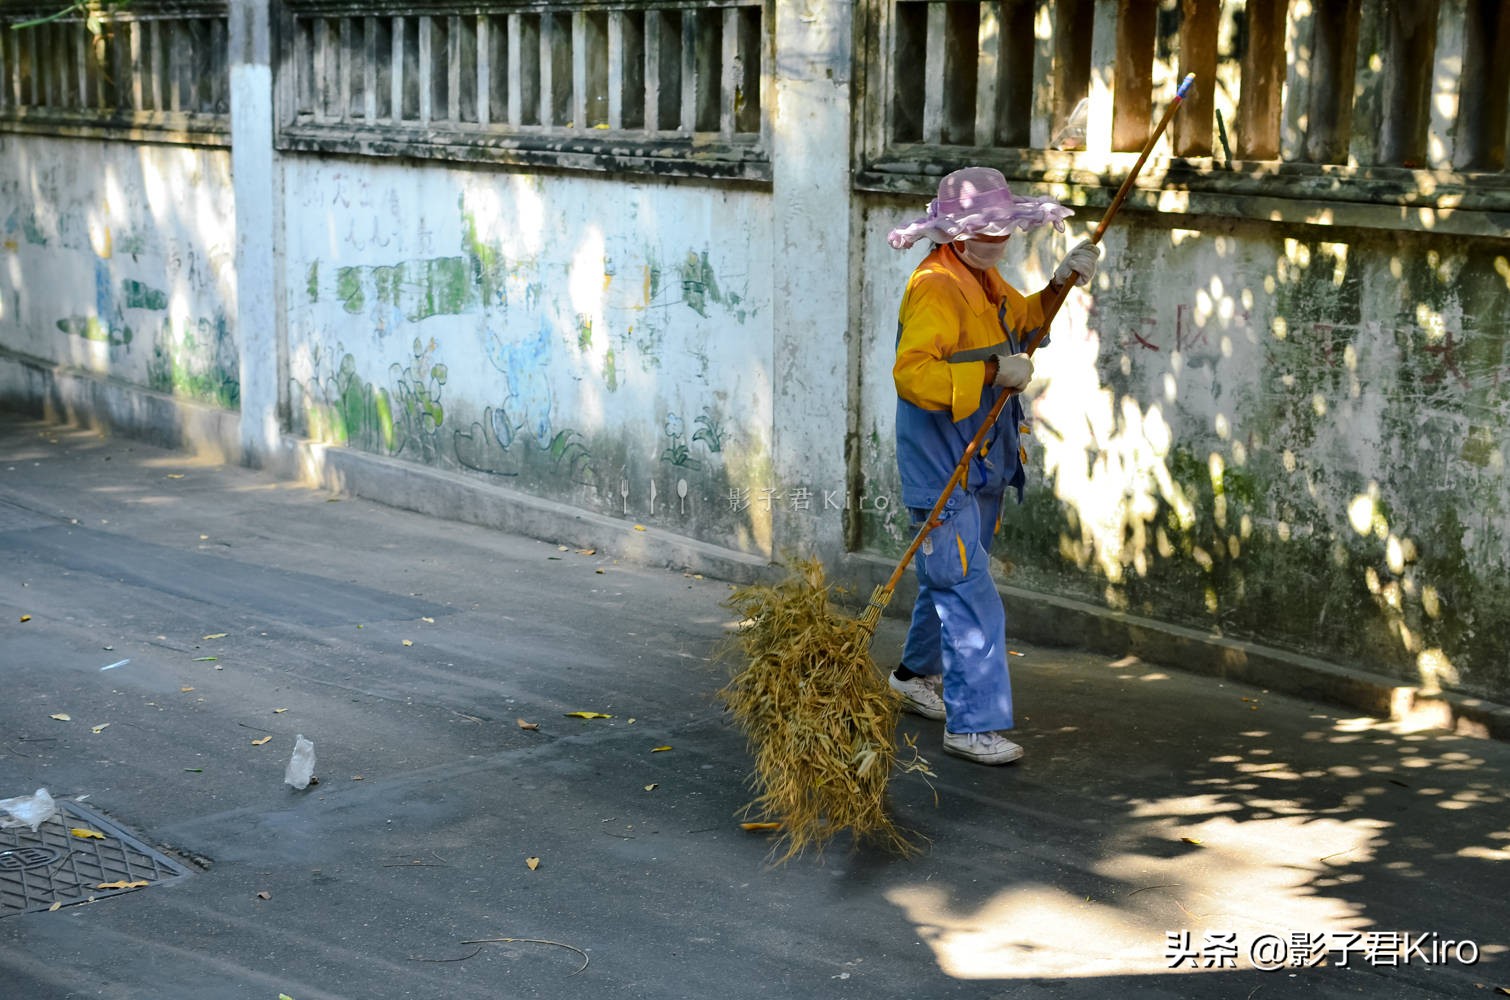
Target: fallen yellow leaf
428, 619
122, 884
185, 690
216, 635
61, 717
573, 715
532, 862
587, 552
86, 834
651, 787
1191, 840
258, 743
26, 618
408, 642
175, 475
639, 527
659, 749
760, 826
57, 904
100, 728
264, 895
527, 725
279, 711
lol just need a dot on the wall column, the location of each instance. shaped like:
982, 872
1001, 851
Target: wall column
812, 310
258, 312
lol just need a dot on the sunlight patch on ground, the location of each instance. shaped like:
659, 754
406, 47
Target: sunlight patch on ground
1248, 878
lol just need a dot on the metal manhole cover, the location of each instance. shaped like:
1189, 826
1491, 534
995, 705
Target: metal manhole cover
54, 867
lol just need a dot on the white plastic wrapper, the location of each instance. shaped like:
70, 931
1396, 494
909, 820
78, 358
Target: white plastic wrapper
301, 766
27, 810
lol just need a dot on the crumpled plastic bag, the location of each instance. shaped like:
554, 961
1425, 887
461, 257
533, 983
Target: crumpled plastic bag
28, 810
301, 766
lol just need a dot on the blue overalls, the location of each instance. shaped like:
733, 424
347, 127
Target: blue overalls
948, 325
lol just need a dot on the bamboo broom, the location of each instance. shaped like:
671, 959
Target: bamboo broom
817, 715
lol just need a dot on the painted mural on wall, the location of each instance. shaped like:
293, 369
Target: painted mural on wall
117, 271
500, 326
1300, 442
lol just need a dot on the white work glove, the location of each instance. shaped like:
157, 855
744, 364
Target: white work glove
1080, 261
1013, 371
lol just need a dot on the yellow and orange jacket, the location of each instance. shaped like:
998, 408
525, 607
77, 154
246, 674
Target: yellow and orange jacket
949, 324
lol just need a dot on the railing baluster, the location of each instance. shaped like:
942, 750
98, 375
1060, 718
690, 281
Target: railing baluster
425, 75
547, 68
369, 71
987, 73
396, 82
128, 66
516, 76
48, 60
10, 83
155, 62
173, 56
653, 70
318, 93
729, 84
484, 71
933, 74
83, 51
579, 70
453, 74
343, 68
616, 69
689, 71
22, 100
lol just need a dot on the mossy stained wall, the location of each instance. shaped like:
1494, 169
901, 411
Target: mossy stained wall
1291, 435
119, 262
603, 343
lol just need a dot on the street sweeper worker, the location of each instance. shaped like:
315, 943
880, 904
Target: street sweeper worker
961, 338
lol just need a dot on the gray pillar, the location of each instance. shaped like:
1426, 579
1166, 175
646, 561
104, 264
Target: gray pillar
258, 312
814, 263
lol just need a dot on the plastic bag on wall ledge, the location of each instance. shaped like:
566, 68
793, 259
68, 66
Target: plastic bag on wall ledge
27, 810
1071, 134
301, 766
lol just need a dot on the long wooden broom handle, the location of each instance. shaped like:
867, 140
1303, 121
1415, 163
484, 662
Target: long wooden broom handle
1050, 309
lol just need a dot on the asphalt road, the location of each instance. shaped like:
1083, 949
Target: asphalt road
1164, 836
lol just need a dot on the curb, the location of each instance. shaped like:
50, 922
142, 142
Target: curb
37, 390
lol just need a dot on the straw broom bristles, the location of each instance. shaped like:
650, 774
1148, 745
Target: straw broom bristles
819, 717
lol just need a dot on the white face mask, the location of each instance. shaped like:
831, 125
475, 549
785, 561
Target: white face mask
981, 256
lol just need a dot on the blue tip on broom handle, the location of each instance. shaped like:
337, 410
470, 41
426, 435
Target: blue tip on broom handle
1132, 175
1050, 308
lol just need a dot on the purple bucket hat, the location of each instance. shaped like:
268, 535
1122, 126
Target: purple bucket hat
976, 201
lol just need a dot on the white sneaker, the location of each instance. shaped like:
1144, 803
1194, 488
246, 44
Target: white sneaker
920, 696
983, 748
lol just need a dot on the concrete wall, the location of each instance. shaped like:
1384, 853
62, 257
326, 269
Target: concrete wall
1283, 433
603, 343
117, 261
